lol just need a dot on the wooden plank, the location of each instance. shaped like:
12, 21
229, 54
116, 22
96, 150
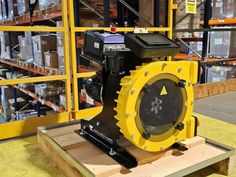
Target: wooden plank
75, 156
193, 142
226, 166
69, 141
58, 158
211, 89
62, 130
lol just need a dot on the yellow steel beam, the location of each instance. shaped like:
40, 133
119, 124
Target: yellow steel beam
32, 28
120, 29
87, 113
32, 80
85, 75
66, 54
170, 22
29, 126
73, 56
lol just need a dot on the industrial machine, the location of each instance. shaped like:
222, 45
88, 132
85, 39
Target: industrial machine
147, 100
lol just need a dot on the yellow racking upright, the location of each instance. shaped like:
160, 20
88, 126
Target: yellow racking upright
91, 112
24, 127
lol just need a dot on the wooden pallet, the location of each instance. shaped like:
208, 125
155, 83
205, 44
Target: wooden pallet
217, 88
75, 157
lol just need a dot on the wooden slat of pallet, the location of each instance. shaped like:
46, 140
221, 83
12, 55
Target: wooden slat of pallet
81, 157
171, 164
217, 88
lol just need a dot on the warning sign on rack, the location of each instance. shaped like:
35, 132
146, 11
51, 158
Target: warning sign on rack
191, 6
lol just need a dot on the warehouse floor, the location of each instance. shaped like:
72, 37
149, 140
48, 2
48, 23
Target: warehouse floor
23, 158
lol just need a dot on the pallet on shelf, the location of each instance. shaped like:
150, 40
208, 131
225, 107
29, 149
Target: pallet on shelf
216, 88
74, 156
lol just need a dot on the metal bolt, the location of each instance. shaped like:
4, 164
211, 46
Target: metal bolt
98, 123
180, 126
132, 136
146, 135
127, 115
163, 66
146, 89
182, 83
146, 73
112, 152
179, 70
162, 148
82, 132
132, 92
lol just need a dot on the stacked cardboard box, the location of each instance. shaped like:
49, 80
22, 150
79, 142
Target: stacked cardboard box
187, 21
44, 4
11, 9
23, 6
223, 9
60, 47
222, 44
196, 46
51, 59
1, 17
26, 47
6, 94
47, 90
5, 49
43, 43
4, 10
220, 73
147, 11
63, 100
25, 114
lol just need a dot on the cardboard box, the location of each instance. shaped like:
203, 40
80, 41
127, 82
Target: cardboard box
220, 73
60, 47
44, 4
223, 9
187, 21
41, 44
26, 47
23, 6
222, 44
25, 114
51, 59
63, 101
147, 11
45, 90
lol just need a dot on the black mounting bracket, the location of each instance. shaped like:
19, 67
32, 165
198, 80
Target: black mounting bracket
112, 149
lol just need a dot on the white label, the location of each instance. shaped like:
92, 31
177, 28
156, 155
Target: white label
215, 79
96, 45
219, 4
47, 60
218, 41
199, 46
140, 30
222, 73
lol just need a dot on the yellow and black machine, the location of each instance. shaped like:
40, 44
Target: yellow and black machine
147, 100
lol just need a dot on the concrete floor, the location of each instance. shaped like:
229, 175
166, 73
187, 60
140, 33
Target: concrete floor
222, 107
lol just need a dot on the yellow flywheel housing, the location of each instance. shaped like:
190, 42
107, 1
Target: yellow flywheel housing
162, 76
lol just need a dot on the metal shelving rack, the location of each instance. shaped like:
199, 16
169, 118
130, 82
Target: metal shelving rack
206, 25
28, 126
79, 113
71, 29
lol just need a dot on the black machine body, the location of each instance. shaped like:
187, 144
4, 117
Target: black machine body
114, 55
